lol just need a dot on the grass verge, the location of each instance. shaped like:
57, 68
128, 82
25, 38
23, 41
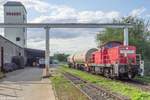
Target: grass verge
115, 86
144, 79
65, 90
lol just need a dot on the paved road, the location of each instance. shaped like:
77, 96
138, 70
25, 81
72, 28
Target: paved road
26, 84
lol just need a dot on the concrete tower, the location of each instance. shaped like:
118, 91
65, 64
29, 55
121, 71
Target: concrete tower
15, 12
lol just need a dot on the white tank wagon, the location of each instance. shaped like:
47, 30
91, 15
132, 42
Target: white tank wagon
70, 60
81, 59
84, 57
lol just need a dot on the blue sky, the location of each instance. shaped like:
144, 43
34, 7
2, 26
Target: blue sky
124, 6
83, 11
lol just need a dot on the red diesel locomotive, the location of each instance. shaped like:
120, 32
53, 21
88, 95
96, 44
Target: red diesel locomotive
113, 60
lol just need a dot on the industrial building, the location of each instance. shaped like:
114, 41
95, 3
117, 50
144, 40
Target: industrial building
14, 42
33, 55
8, 50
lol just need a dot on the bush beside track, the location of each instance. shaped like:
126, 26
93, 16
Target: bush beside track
115, 86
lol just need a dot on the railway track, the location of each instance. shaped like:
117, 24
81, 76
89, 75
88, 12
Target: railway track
93, 91
135, 83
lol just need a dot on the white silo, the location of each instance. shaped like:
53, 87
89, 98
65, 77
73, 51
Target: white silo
15, 12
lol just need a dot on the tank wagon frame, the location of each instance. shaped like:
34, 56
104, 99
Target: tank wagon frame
112, 60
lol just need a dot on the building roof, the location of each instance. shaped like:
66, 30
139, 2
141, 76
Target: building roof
12, 3
10, 41
15, 3
34, 52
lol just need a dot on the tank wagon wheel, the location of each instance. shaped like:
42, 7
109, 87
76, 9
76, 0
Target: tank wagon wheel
88, 69
92, 69
82, 67
69, 65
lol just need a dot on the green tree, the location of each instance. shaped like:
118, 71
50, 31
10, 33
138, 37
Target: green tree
138, 35
60, 57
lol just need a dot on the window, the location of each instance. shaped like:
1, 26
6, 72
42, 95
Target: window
19, 54
17, 38
13, 13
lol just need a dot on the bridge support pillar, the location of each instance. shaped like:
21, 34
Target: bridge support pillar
46, 72
126, 41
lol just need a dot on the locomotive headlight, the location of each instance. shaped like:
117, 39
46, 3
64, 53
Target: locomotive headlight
122, 70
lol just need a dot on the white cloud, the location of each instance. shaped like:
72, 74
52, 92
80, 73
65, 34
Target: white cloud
66, 45
38, 5
65, 40
68, 14
137, 12
72, 40
148, 15
97, 16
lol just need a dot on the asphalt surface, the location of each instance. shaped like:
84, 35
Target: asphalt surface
26, 84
